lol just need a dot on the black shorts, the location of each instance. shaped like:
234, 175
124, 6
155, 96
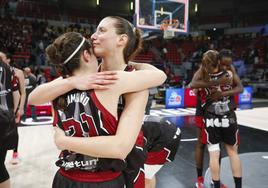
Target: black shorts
163, 138
3, 171
134, 173
8, 130
63, 182
135, 178
221, 128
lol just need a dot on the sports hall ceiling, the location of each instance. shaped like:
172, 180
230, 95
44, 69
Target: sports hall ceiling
122, 7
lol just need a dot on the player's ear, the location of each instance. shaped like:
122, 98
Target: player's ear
86, 55
122, 39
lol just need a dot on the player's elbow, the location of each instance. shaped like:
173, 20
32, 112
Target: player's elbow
123, 149
162, 77
32, 99
192, 85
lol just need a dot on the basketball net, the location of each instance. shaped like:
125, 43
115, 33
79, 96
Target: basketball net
168, 34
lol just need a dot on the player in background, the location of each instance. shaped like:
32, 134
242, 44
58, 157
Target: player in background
218, 105
9, 100
225, 58
6, 58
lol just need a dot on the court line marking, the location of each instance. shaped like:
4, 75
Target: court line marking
189, 140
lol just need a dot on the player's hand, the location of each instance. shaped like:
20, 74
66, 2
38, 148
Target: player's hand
216, 96
59, 136
100, 80
224, 80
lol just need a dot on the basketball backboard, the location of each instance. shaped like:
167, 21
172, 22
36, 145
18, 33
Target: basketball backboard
154, 14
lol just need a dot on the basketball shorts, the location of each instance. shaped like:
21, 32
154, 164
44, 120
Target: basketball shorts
222, 128
135, 178
163, 139
134, 172
61, 181
3, 171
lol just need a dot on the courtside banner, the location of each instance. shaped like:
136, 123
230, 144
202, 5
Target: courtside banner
40, 110
189, 98
246, 96
174, 98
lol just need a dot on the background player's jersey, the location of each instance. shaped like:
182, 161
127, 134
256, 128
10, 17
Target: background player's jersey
225, 104
134, 174
8, 84
199, 110
84, 116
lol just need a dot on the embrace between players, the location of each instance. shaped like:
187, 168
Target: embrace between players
103, 138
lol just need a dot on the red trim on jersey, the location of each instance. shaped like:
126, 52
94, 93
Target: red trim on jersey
107, 118
85, 176
140, 140
157, 158
199, 122
55, 118
15, 82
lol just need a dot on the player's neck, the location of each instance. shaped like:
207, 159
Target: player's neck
113, 63
85, 70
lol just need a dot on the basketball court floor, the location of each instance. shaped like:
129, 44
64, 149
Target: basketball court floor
38, 153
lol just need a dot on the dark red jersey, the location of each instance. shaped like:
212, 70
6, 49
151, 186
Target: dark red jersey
84, 116
134, 173
225, 104
8, 84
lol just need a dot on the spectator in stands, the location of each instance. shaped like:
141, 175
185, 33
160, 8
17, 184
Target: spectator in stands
40, 79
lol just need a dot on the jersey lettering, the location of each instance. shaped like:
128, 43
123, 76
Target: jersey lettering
224, 122
87, 128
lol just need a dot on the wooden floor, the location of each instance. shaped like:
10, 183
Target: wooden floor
38, 153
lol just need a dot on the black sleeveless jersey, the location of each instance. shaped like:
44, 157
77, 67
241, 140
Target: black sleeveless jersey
121, 103
136, 158
225, 104
84, 116
8, 84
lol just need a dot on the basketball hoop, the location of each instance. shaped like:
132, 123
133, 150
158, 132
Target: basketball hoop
168, 34
167, 27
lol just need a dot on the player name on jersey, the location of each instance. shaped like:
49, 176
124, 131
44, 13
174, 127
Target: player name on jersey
78, 98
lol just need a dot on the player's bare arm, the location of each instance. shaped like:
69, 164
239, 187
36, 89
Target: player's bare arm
60, 86
117, 146
197, 82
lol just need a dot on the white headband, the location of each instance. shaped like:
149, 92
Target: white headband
70, 57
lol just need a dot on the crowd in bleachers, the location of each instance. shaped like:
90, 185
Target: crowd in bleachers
26, 40
181, 55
